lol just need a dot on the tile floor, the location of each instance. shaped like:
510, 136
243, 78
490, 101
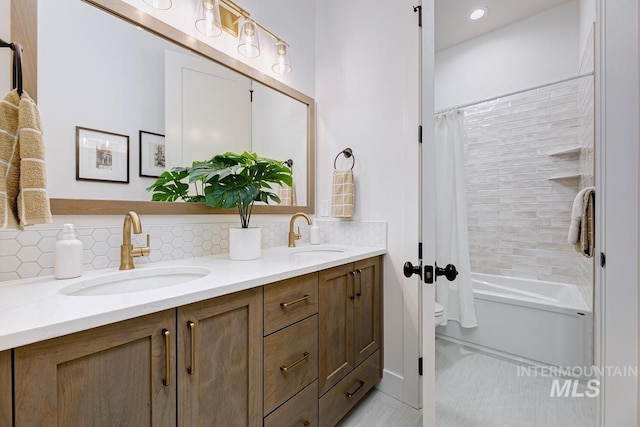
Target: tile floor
476, 389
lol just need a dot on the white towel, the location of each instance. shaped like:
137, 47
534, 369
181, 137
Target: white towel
577, 212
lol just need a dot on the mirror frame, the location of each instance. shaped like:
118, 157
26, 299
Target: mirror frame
24, 30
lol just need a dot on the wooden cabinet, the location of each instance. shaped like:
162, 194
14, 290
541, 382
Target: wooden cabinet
220, 368
119, 374
6, 398
299, 411
350, 316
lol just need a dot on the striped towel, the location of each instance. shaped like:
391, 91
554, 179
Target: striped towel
287, 195
343, 194
23, 194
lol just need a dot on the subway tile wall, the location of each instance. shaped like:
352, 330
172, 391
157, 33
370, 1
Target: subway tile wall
29, 253
523, 171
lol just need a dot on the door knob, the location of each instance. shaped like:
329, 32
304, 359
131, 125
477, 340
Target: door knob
449, 271
410, 269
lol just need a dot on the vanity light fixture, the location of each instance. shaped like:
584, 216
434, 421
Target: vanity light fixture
248, 42
478, 13
215, 16
208, 18
159, 4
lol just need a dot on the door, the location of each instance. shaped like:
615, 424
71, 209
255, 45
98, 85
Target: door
119, 374
428, 212
220, 363
366, 309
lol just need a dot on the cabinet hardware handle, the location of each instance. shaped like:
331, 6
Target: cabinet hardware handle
359, 293
350, 394
167, 357
305, 355
192, 332
352, 296
305, 423
284, 305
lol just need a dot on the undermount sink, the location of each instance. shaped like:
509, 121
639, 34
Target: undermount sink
313, 250
144, 279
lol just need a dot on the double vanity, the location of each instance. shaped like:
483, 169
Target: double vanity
291, 339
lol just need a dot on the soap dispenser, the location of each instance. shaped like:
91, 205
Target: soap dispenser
67, 257
314, 233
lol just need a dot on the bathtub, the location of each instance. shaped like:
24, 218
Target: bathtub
534, 321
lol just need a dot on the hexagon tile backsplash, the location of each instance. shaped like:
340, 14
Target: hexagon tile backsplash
29, 253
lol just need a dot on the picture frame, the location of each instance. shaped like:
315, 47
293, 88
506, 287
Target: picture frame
101, 156
152, 154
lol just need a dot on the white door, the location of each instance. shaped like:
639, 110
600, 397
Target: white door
428, 213
207, 110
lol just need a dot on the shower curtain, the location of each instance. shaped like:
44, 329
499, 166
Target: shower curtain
452, 235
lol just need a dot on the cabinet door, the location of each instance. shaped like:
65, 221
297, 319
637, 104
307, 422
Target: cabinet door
111, 375
336, 294
6, 411
367, 309
220, 367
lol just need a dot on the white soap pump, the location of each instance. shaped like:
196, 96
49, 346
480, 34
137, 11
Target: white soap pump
314, 232
67, 257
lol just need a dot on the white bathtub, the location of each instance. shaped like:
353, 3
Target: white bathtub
543, 322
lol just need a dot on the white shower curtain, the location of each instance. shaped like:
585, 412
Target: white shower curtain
452, 235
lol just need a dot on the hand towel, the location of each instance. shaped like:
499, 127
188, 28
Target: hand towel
343, 194
32, 201
287, 195
576, 216
23, 197
9, 160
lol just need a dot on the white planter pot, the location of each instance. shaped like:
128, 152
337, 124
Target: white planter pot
244, 243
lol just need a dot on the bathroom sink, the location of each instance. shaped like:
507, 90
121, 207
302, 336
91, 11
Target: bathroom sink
144, 279
317, 250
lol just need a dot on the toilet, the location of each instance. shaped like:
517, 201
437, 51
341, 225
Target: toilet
439, 310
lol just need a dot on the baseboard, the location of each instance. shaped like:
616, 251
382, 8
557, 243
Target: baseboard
391, 384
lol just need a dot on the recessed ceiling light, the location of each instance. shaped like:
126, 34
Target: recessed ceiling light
478, 13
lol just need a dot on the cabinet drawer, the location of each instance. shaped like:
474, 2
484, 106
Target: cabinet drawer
300, 411
288, 301
343, 396
290, 362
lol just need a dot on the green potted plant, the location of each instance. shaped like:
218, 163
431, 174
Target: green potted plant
227, 181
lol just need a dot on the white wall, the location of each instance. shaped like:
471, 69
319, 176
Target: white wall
587, 18
537, 50
5, 54
367, 94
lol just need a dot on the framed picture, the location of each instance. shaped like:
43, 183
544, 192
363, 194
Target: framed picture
152, 162
101, 156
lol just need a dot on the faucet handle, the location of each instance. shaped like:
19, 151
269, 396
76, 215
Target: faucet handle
298, 235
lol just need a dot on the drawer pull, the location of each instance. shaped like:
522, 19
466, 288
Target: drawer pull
167, 357
305, 356
284, 305
359, 293
192, 332
352, 393
305, 423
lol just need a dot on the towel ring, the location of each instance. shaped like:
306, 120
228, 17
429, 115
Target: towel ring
348, 153
288, 163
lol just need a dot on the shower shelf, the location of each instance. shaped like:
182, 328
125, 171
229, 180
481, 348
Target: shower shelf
569, 176
568, 150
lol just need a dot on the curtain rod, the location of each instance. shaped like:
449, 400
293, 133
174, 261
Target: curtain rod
493, 98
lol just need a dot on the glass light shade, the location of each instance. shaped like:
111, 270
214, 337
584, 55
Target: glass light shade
282, 65
248, 43
208, 18
159, 4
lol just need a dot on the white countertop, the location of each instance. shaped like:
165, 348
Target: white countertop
33, 310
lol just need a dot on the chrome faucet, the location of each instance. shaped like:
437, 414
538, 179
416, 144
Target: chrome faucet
127, 251
292, 235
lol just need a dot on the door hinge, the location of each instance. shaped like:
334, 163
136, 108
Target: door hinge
419, 10
420, 366
603, 260
420, 134
250, 95
419, 250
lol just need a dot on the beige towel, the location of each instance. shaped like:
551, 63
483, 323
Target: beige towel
9, 160
22, 152
586, 241
287, 195
343, 194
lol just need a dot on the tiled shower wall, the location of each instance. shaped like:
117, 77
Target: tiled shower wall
521, 184
29, 253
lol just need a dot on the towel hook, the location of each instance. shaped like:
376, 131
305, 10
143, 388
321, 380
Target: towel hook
348, 153
288, 163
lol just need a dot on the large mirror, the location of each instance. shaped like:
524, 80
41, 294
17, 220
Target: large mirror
139, 78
